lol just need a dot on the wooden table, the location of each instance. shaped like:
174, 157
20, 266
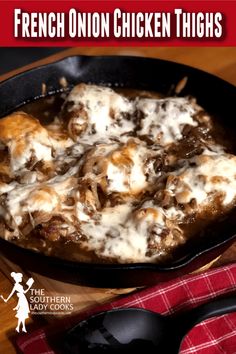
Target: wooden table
219, 61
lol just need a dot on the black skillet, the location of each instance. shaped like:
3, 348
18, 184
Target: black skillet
214, 94
137, 330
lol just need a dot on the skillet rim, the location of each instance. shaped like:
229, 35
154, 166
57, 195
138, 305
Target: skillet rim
177, 265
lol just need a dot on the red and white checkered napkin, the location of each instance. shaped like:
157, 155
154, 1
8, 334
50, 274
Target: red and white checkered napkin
214, 336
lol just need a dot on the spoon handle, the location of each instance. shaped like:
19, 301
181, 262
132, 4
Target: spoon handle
213, 308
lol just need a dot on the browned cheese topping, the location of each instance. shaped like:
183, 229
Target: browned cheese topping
115, 178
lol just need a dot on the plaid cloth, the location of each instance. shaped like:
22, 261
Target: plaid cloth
214, 336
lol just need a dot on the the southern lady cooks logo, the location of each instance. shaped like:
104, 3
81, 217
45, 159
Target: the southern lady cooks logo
37, 302
22, 308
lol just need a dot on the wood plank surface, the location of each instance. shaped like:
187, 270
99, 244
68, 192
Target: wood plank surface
219, 61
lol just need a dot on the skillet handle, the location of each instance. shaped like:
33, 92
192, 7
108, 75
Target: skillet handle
213, 308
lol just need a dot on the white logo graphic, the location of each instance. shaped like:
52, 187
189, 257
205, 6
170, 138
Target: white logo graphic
22, 308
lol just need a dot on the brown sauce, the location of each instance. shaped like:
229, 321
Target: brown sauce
205, 226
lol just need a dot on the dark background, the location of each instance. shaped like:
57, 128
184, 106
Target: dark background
12, 58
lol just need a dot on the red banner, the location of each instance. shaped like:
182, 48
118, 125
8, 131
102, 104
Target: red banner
117, 23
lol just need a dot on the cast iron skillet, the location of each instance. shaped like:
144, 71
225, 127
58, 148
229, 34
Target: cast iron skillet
214, 94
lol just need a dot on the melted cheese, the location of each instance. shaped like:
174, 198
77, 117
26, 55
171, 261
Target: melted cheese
42, 199
123, 232
98, 114
120, 168
122, 242
164, 119
48, 197
206, 177
126, 171
96, 171
25, 138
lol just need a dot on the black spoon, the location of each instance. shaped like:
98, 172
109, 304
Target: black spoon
120, 331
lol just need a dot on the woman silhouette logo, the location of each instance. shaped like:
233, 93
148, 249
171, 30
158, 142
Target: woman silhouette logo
22, 307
